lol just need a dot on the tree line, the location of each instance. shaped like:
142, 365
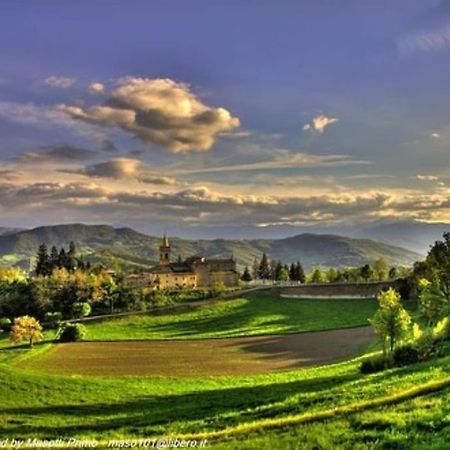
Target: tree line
47, 262
274, 270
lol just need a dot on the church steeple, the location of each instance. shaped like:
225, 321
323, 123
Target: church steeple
164, 251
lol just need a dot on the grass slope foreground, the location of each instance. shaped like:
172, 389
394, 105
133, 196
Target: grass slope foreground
133, 249
331, 406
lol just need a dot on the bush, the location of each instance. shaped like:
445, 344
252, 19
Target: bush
81, 309
404, 355
52, 319
374, 364
5, 325
72, 332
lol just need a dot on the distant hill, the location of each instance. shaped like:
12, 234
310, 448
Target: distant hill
132, 249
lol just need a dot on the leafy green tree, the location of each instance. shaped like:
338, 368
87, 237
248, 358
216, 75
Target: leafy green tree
380, 269
393, 273
264, 268
438, 262
434, 305
391, 322
331, 275
284, 274
316, 276
246, 276
366, 272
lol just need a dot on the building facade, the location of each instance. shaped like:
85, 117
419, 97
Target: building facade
191, 273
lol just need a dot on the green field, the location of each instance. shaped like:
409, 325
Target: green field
328, 407
264, 312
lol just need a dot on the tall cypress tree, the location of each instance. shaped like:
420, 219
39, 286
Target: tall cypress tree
264, 268
43, 261
246, 276
71, 257
54, 258
300, 272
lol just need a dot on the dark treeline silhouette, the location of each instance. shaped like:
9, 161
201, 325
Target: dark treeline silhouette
58, 259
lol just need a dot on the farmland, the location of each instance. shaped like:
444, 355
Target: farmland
262, 313
243, 392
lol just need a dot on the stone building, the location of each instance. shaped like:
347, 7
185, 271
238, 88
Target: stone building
193, 272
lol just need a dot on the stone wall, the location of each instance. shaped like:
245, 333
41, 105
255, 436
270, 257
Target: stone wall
341, 290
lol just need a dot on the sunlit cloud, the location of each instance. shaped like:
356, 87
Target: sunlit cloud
319, 123
158, 111
96, 88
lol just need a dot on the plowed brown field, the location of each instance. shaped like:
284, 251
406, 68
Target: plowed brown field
233, 356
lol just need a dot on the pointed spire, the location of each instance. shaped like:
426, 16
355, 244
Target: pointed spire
165, 241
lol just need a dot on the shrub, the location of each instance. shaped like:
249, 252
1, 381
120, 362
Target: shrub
374, 364
52, 319
406, 354
81, 309
72, 332
5, 325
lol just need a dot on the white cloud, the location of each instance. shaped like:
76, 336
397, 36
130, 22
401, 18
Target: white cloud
59, 81
435, 135
96, 88
427, 177
159, 111
319, 123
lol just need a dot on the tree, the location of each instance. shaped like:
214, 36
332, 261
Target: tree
391, 322
26, 328
380, 269
316, 276
393, 273
246, 276
43, 261
366, 272
433, 303
438, 262
255, 269
264, 268
284, 274
331, 275
277, 271
300, 273
54, 257
71, 260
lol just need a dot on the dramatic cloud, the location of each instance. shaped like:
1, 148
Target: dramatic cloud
319, 123
203, 206
57, 153
59, 82
159, 111
96, 88
126, 168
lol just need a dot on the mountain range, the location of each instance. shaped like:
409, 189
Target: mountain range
133, 250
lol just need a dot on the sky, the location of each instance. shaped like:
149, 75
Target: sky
223, 118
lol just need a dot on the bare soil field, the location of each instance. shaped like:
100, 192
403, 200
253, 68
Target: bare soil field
208, 357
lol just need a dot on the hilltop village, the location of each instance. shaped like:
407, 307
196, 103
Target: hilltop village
192, 272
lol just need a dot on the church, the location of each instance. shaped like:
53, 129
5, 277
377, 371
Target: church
193, 272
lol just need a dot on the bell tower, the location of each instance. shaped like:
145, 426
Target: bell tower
164, 251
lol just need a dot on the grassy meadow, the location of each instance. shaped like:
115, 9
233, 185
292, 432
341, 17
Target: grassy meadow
331, 406
264, 312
